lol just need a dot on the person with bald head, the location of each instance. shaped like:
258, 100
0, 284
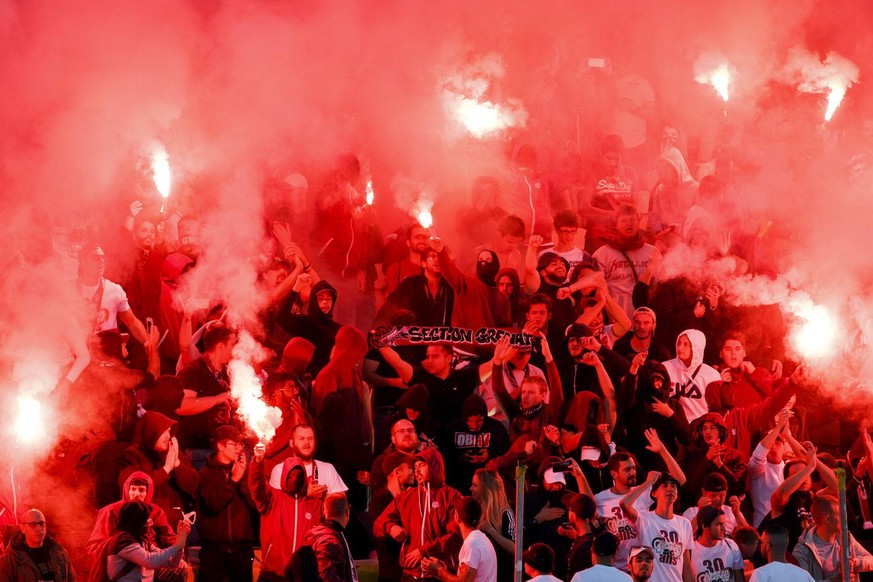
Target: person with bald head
32, 555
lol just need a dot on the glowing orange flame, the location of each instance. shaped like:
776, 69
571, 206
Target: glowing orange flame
719, 78
247, 390
835, 97
29, 422
371, 194
423, 213
815, 337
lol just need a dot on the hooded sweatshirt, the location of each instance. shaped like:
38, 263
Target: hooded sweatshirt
477, 304
733, 466
636, 397
225, 508
424, 511
670, 206
343, 370
173, 490
689, 382
108, 516
285, 518
316, 326
459, 442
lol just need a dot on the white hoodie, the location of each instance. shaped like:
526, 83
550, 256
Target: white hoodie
690, 382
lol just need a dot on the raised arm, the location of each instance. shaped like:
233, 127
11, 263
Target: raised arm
502, 352
627, 502
656, 446
786, 488
531, 276
403, 368
609, 406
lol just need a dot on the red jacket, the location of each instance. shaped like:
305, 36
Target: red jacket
107, 516
425, 512
286, 519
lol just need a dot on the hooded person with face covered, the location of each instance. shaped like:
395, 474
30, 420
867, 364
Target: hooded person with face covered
478, 302
287, 514
646, 403
317, 326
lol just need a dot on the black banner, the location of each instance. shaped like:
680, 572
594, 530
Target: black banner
385, 336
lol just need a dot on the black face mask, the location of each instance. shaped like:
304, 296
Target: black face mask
487, 272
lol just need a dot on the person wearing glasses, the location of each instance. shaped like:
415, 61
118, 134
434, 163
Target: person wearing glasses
33, 555
225, 524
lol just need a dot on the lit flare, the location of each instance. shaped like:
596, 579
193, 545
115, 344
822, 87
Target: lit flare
161, 173
247, 390
29, 422
423, 213
815, 337
371, 194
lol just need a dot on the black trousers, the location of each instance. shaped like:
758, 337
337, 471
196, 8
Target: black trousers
232, 566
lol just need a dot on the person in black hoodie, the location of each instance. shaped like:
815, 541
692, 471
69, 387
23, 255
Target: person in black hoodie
155, 452
469, 443
226, 507
578, 376
317, 325
645, 402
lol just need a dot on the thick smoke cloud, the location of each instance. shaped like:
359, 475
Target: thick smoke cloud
243, 92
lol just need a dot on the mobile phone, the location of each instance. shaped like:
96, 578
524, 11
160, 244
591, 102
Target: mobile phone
149, 323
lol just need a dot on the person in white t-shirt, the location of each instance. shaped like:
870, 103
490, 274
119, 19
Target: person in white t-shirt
106, 302
323, 477
713, 557
603, 551
774, 546
767, 469
477, 558
539, 563
668, 534
566, 224
623, 470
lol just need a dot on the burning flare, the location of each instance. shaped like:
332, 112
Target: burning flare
835, 97
423, 213
713, 69
29, 421
371, 194
833, 76
161, 173
247, 390
464, 99
815, 336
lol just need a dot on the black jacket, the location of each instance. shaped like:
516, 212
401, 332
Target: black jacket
226, 508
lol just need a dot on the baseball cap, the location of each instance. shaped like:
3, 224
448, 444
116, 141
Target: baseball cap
663, 479
637, 550
577, 330
550, 476
395, 459
548, 257
580, 504
540, 557
646, 311
605, 544
715, 482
